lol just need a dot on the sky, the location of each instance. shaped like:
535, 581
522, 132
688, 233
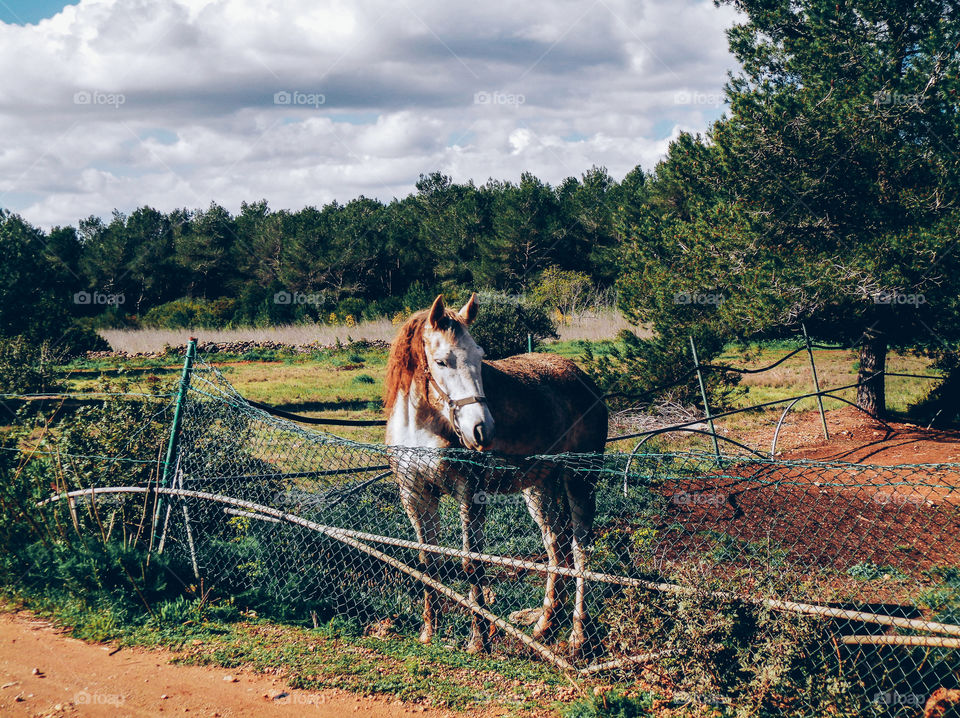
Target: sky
115, 104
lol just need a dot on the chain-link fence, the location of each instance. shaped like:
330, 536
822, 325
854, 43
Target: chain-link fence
793, 588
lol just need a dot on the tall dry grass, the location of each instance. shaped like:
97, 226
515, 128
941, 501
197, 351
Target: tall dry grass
596, 326
590, 326
151, 340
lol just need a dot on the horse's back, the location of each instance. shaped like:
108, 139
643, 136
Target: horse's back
544, 403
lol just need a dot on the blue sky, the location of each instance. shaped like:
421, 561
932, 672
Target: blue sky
29, 11
113, 104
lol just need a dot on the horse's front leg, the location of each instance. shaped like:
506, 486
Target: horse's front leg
473, 509
583, 507
421, 501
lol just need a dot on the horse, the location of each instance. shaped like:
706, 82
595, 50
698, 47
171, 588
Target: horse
441, 394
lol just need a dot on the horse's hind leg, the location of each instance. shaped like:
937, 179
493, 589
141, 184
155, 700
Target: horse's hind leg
472, 514
582, 501
545, 509
421, 501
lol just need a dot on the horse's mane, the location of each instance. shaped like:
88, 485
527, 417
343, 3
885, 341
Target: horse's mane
408, 359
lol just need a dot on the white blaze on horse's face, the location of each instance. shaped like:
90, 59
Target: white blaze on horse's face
454, 360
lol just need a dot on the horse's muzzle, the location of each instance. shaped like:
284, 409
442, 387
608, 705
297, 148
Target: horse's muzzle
482, 437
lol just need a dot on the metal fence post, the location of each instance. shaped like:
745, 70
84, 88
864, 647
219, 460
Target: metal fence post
174, 441
816, 382
706, 404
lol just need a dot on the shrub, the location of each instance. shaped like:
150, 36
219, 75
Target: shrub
758, 661
27, 367
189, 313
564, 291
503, 323
611, 705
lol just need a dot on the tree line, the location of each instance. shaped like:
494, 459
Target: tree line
364, 257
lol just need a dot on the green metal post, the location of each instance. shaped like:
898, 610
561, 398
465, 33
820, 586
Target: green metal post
529, 343
706, 404
173, 442
816, 383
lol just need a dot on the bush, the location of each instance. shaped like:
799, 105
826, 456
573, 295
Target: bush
564, 291
27, 367
503, 323
190, 313
611, 705
758, 661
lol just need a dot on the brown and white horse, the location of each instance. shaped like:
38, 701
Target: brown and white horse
440, 394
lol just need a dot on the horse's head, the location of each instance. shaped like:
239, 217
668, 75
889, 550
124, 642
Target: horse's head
453, 372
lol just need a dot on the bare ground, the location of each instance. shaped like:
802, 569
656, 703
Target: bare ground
46, 673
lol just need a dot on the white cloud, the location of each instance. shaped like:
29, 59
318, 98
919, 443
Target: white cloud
119, 103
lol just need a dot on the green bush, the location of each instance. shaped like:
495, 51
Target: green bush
189, 313
27, 367
758, 661
504, 322
611, 705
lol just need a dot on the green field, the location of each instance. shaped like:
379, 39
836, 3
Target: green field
348, 382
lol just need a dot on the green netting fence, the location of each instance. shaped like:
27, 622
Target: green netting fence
761, 587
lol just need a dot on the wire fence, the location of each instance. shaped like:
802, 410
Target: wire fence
765, 587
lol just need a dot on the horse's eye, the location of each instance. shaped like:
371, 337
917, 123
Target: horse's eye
441, 362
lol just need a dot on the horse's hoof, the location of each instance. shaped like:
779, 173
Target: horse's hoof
545, 630
477, 645
580, 646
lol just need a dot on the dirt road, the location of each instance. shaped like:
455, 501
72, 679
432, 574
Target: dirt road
46, 673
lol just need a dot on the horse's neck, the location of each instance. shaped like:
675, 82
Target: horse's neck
411, 423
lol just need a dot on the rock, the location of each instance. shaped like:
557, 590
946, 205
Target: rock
37, 672
230, 679
164, 696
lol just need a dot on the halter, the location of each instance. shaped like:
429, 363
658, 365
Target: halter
453, 404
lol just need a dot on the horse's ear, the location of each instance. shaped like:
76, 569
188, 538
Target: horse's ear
469, 310
436, 312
